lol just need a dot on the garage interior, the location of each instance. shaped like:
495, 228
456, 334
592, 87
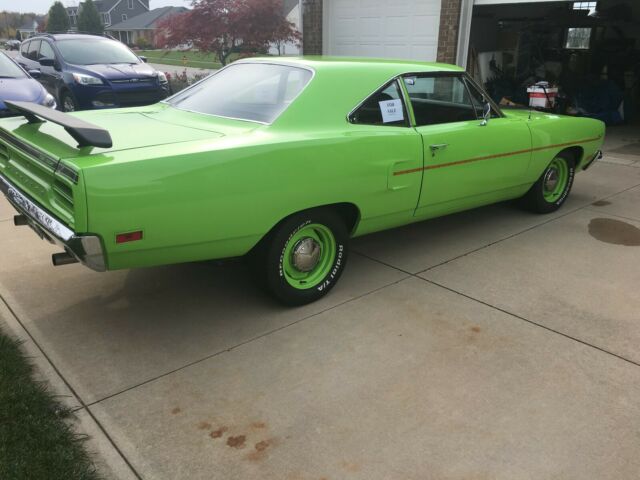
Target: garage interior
589, 50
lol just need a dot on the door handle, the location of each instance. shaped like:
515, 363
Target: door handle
438, 146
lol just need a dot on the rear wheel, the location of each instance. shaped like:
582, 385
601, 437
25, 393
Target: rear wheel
552, 188
304, 257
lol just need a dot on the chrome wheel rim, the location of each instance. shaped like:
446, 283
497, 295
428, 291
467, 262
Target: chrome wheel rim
305, 254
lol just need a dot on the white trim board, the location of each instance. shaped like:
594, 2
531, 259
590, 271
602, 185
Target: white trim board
511, 2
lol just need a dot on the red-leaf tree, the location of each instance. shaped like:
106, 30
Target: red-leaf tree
227, 27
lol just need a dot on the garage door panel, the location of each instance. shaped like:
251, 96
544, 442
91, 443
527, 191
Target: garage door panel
406, 29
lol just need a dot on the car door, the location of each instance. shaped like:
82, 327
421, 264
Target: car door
380, 139
466, 163
48, 74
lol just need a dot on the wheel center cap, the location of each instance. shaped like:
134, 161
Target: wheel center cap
305, 254
551, 180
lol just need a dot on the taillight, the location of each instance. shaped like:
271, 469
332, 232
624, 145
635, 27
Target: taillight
129, 237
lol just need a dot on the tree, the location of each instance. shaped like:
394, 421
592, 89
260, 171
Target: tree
58, 20
227, 27
89, 19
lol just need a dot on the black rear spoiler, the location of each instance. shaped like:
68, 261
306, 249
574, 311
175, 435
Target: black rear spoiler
85, 133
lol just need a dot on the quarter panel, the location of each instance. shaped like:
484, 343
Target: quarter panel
551, 134
217, 199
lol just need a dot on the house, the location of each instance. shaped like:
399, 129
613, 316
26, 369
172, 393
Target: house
28, 29
111, 11
142, 29
293, 11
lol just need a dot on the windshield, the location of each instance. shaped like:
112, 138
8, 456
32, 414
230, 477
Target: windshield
8, 69
257, 92
98, 51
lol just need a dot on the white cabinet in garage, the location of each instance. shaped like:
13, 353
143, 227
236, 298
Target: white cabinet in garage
406, 29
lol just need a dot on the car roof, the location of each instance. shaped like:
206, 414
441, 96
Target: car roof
340, 84
67, 36
373, 65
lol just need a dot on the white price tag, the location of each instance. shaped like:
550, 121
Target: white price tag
391, 111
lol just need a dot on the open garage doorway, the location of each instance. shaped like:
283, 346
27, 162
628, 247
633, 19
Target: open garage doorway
588, 50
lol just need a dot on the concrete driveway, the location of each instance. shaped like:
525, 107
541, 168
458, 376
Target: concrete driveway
491, 344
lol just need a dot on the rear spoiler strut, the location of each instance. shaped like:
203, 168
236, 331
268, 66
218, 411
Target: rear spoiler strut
85, 133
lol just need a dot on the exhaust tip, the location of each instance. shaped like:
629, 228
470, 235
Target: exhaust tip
20, 220
63, 258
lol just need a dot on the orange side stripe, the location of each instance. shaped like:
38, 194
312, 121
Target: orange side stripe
497, 155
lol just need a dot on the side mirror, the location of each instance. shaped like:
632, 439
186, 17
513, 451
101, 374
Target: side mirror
143, 58
35, 73
47, 62
486, 113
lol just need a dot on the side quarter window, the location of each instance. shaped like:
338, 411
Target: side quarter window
385, 107
439, 99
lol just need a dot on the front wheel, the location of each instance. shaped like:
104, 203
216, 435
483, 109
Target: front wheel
552, 188
305, 256
67, 102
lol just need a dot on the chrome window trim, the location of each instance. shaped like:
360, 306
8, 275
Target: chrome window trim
464, 76
396, 78
241, 62
494, 105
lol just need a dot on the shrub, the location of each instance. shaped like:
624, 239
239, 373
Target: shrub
180, 80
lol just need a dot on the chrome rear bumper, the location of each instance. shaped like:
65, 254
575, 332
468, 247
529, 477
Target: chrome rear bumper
86, 248
592, 160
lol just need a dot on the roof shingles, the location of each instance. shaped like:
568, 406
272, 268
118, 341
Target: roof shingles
146, 20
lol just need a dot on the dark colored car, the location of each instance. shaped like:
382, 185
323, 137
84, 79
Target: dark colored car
88, 71
12, 44
17, 84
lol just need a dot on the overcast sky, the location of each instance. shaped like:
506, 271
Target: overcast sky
42, 6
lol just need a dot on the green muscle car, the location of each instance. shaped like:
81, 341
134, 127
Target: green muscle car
282, 161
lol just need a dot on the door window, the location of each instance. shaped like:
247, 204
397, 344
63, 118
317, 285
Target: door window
439, 99
385, 107
34, 46
46, 51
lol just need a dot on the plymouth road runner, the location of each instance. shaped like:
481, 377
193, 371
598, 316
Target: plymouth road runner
282, 161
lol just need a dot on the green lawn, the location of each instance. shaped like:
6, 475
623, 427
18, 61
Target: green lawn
36, 440
169, 57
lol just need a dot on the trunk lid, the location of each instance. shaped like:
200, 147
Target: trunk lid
31, 153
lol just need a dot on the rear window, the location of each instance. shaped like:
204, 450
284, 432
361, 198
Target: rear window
256, 92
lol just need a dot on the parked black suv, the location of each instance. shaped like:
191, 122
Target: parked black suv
91, 71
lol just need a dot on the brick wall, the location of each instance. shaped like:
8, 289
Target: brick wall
448, 34
312, 27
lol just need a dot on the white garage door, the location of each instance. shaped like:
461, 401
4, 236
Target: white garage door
406, 29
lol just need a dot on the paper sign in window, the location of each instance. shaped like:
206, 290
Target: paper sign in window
391, 111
